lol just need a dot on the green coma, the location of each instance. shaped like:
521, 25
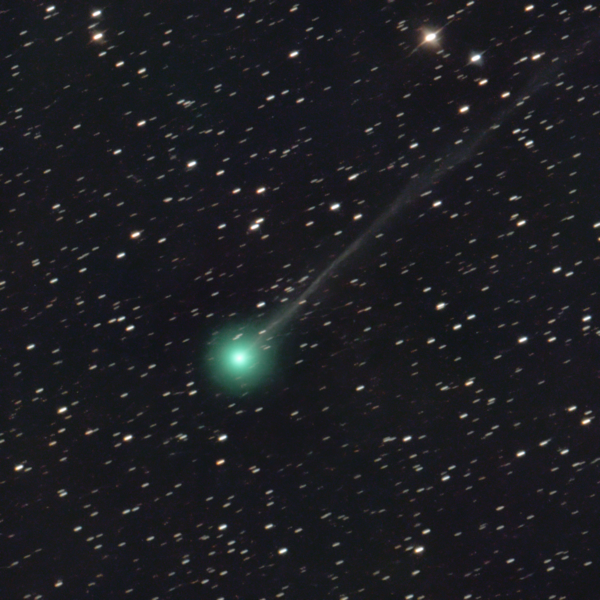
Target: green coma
239, 362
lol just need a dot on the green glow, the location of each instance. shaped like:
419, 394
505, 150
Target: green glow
239, 360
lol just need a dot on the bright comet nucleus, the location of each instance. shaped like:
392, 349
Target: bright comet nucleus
239, 358
240, 362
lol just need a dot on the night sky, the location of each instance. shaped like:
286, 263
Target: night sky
393, 207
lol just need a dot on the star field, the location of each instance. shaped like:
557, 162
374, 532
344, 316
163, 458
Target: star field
300, 300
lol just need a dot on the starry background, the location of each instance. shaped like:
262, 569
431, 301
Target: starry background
172, 169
